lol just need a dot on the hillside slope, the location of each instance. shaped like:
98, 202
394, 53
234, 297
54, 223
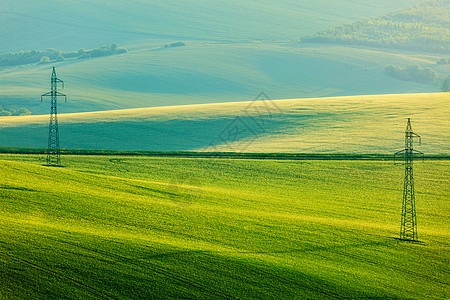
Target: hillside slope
424, 27
28, 25
123, 227
234, 49
205, 72
153, 76
359, 124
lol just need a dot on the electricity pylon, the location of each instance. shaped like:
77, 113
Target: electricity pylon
408, 229
53, 152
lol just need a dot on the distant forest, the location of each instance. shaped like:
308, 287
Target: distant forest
412, 73
52, 55
425, 27
14, 112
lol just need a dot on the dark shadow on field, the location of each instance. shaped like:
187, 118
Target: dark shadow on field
399, 240
207, 271
16, 188
331, 248
181, 133
282, 281
308, 248
207, 274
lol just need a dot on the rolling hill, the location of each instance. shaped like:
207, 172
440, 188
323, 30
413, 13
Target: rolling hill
150, 227
185, 75
127, 227
234, 50
358, 124
28, 25
423, 27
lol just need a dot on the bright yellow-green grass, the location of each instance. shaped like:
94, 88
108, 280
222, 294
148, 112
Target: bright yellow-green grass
127, 227
351, 124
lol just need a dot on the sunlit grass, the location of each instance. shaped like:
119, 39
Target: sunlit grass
358, 124
218, 228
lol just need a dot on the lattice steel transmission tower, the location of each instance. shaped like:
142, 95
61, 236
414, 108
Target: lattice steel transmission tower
53, 151
408, 229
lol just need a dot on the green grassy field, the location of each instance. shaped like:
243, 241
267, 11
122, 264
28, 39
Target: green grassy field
360, 124
128, 227
83, 24
234, 50
206, 72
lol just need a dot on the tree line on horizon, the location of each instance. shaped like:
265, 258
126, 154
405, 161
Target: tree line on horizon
425, 27
14, 112
53, 55
412, 73
417, 73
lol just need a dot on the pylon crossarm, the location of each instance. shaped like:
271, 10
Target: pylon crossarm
420, 153
398, 153
58, 94
51, 94
45, 95
62, 95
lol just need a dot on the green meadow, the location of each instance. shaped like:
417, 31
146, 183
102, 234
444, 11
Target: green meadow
233, 51
183, 179
120, 227
90, 23
209, 72
356, 124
